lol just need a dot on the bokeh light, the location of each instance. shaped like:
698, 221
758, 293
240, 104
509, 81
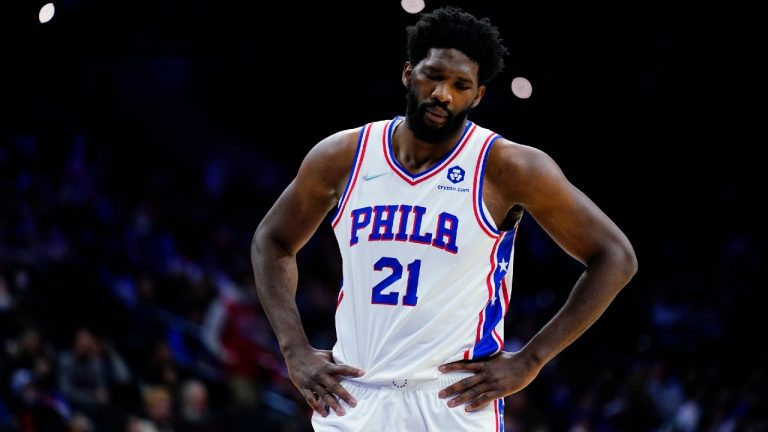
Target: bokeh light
46, 13
412, 6
522, 88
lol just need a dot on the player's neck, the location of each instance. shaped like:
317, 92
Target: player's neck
417, 155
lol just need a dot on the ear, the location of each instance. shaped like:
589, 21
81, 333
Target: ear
407, 71
479, 96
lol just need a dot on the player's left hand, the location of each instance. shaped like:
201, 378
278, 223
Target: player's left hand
495, 377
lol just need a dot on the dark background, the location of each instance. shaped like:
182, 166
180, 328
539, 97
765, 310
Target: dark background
142, 142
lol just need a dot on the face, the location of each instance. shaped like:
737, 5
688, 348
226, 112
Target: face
442, 89
85, 344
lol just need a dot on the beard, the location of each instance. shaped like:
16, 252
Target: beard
415, 113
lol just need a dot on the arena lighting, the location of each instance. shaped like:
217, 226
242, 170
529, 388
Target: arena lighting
46, 13
412, 6
522, 88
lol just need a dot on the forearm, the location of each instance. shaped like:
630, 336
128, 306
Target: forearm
589, 298
276, 277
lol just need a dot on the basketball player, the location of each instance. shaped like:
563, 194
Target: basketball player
425, 211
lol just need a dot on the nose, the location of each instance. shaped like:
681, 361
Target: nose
442, 93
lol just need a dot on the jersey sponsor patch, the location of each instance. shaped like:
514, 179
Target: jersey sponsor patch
452, 188
456, 174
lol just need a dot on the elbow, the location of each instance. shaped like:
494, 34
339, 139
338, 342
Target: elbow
618, 259
266, 243
255, 243
258, 241
626, 260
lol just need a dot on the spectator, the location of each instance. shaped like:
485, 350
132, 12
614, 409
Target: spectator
95, 379
194, 414
80, 423
32, 353
161, 368
234, 329
158, 410
83, 376
38, 410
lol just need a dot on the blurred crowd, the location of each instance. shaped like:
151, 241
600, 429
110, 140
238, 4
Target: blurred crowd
144, 143
113, 318
136, 312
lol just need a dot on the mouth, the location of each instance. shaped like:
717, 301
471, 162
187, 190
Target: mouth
436, 115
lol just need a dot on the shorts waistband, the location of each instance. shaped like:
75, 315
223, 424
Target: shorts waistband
438, 383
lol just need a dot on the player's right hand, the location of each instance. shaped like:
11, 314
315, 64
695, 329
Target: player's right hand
318, 379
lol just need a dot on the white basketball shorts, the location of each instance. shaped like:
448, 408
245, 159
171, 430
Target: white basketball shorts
409, 406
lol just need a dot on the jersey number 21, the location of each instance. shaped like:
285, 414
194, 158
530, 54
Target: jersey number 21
412, 284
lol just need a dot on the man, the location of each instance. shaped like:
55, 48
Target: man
426, 210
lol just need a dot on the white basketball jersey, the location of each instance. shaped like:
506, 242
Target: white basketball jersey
426, 274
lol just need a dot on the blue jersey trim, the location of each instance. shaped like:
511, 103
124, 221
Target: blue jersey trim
480, 209
351, 173
494, 310
436, 166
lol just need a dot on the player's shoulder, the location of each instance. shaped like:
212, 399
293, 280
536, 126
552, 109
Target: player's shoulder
344, 143
520, 172
330, 159
509, 158
338, 144
339, 141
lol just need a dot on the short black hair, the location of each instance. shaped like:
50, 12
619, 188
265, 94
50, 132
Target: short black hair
451, 27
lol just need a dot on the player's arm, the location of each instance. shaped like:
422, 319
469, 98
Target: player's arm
527, 177
285, 229
583, 231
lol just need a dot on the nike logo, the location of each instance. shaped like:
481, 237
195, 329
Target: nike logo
367, 177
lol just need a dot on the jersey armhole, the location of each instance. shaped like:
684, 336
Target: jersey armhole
482, 215
362, 141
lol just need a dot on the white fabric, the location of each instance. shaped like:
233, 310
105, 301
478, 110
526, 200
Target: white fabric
460, 298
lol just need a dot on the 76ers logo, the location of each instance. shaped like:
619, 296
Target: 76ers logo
455, 174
